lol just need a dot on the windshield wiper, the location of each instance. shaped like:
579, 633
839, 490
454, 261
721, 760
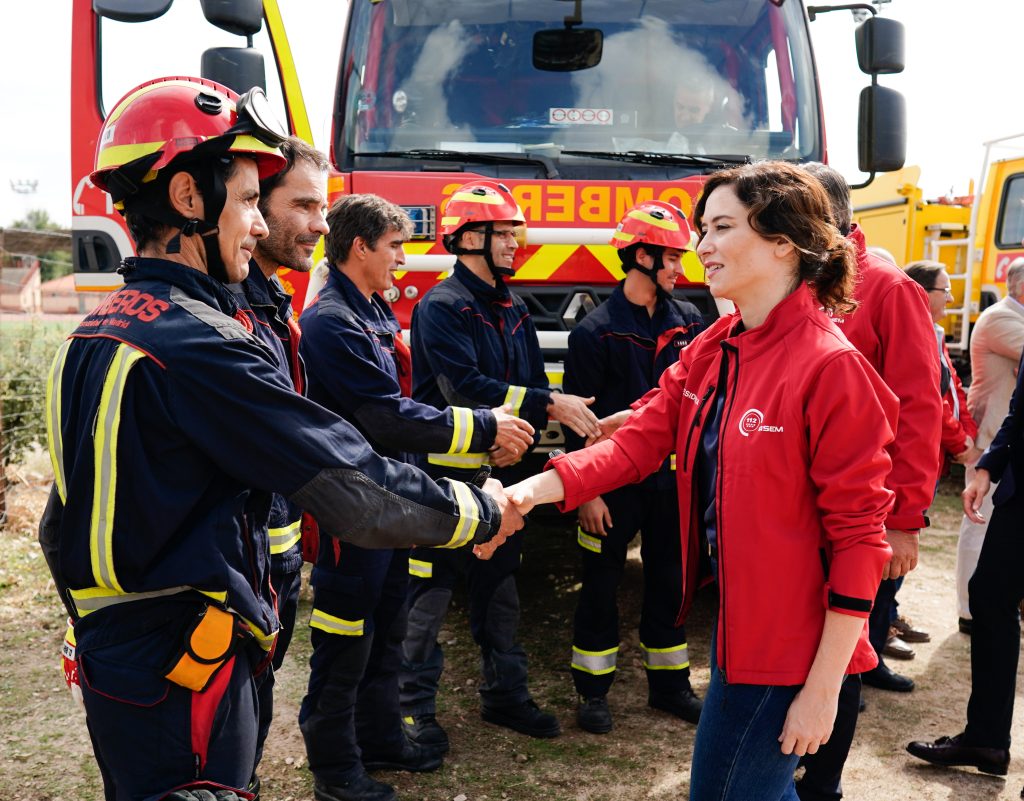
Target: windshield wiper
457, 155
648, 157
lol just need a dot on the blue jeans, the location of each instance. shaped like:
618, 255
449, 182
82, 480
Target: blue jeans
737, 755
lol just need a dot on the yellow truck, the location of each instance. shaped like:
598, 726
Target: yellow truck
977, 236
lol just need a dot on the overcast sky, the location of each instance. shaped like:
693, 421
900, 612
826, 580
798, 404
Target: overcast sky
961, 84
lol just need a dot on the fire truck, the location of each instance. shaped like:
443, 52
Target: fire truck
582, 107
977, 235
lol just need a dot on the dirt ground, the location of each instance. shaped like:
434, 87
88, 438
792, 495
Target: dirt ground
45, 754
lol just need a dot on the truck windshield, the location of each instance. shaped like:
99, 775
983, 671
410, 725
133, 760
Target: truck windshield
730, 78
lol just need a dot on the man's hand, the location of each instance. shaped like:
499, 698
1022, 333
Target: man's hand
513, 435
974, 493
970, 454
499, 457
594, 516
609, 425
572, 411
511, 519
904, 553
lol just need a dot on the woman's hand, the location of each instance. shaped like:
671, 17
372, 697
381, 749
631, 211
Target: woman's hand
809, 721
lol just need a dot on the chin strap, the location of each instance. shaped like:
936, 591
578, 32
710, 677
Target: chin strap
485, 251
652, 271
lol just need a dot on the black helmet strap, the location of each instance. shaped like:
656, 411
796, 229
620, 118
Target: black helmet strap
485, 251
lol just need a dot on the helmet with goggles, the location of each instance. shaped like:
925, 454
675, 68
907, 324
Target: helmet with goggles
477, 206
654, 225
176, 124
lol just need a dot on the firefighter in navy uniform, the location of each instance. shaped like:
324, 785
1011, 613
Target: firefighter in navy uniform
293, 203
357, 361
474, 344
617, 353
169, 427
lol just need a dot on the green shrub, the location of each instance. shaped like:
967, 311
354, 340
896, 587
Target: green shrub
26, 350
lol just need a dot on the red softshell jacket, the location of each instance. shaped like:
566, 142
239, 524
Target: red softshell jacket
801, 495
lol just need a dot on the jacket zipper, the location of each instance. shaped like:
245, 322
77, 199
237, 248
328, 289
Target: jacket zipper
695, 425
247, 536
722, 426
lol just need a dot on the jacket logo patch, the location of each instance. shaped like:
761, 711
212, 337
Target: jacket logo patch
694, 398
753, 420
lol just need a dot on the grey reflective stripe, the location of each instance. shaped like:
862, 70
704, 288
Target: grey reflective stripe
514, 399
54, 436
588, 541
94, 598
335, 625
420, 568
108, 421
462, 430
675, 658
596, 662
469, 516
463, 461
281, 539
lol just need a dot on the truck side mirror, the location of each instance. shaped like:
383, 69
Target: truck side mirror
238, 68
131, 10
880, 46
881, 130
241, 17
567, 49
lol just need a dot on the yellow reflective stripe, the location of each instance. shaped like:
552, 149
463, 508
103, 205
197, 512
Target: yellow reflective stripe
469, 516
108, 420
450, 220
676, 657
409, 720
421, 569
623, 236
672, 461
469, 197
463, 461
282, 539
54, 436
514, 398
597, 663
335, 625
588, 541
264, 638
462, 433
286, 69
92, 599
668, 224
542, 263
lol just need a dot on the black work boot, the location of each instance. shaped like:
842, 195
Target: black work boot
525, 718
413, 757
360, 788
681, 703
426, 731
593, 715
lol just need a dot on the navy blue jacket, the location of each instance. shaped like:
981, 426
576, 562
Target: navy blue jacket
348, 344
270, 309
1004, 458
476, 345
618, 352
161, 483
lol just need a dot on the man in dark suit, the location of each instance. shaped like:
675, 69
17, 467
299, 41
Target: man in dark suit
995, 590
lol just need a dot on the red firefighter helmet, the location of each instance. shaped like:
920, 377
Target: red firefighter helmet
480, 202
654, 222
165, 118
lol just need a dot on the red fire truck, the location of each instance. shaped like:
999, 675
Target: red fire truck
582, 107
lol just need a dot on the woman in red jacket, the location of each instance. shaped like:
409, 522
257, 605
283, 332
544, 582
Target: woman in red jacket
779, 427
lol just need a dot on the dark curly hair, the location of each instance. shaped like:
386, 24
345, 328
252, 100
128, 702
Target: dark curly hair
784, 200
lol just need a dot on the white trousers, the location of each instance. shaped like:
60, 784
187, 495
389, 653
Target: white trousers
972, 536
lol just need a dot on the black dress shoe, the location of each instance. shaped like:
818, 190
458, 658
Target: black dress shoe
525, 718
964, 624
952, 752
594, 716
361, 788
883, 678
683, 704
425, 730
413, 757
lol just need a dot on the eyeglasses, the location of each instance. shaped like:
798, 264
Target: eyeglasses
947, 291
508, 235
